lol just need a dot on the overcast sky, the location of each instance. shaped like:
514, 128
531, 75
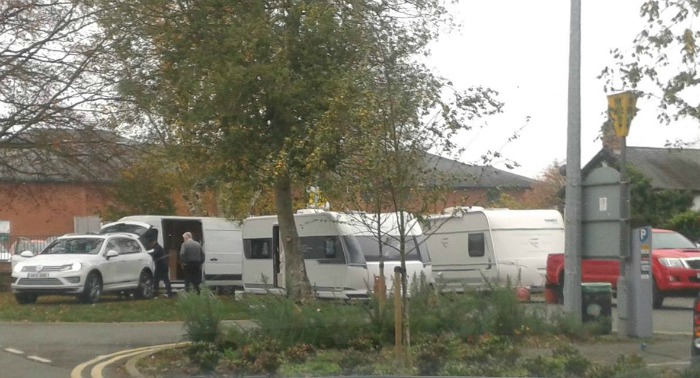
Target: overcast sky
521, 49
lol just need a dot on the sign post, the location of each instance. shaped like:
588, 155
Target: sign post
621, 110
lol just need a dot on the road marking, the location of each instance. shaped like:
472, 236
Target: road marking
13, 350
670, 363
77, 372
97, 369
39, 359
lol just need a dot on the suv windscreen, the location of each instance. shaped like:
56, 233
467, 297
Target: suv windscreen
83, 246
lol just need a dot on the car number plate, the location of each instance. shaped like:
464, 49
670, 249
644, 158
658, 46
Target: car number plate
38, 275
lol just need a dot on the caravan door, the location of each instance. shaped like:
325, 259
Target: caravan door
277, 259
461, 258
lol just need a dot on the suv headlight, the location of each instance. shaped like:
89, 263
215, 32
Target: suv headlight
18, 268
74, 267
672, 262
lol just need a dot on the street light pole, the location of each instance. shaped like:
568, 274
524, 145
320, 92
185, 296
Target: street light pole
572, 208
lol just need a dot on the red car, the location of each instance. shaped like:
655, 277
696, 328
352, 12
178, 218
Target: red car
675, 268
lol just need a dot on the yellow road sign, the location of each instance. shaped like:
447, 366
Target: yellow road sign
622, 107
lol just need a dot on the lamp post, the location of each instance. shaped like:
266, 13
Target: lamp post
572, 208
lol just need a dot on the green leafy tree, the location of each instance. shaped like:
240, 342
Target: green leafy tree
141, 189
56, 95
687, 223
653, 207
662, 63
263, 95
546, 193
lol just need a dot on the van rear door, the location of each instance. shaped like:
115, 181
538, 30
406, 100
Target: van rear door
144, 230
223, 249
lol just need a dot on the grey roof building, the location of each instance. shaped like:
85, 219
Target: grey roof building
666, 168
467, 176
64, 155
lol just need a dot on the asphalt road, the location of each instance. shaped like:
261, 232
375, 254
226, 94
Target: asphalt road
52, 350
29, 350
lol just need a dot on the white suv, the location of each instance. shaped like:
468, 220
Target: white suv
84, 265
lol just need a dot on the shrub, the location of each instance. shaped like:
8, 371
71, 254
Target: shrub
624, 367
300, 353
203, 314
433, 352
205, 355
323, 324
354, 362
267, 363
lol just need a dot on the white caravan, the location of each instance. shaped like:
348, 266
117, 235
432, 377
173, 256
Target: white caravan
220, 238
341, 252
471, 246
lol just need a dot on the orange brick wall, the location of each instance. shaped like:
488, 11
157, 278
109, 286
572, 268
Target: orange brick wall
48, 208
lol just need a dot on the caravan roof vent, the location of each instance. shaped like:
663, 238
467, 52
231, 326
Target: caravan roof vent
310, 211
461, 209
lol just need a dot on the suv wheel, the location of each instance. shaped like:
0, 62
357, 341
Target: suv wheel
145, 289
93, 289
23, 298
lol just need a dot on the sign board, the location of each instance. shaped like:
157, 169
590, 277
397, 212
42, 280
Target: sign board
622, 107
601, 220
638, 282
4, 227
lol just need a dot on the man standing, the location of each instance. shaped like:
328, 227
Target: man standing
192, 258
161, 274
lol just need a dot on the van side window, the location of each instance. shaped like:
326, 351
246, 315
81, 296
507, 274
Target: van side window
476, 246
258, 248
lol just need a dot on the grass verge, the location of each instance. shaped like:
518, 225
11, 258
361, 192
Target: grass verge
111, 308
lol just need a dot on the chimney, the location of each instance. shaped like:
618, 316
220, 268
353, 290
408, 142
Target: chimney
611, 142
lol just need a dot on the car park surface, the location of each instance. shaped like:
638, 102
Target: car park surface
84, 266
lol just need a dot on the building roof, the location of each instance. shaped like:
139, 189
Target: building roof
468, 176
666, 168
64, 155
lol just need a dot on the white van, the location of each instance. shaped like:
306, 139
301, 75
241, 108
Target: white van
341, 252
471, 246
220, 238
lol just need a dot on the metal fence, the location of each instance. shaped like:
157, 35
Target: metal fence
21, 243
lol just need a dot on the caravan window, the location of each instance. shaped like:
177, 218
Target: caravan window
422, 243
354, 250
476, 245
369, 247
322, 248
257, 248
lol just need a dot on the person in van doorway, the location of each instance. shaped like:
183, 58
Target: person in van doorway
192, 258
161, 274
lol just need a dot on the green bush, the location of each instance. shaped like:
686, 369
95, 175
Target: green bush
205, 355
432, 353
203, 314
323, 324
354, 362
624, 367
300, 353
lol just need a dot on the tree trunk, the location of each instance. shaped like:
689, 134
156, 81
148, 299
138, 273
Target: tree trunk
297, 282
